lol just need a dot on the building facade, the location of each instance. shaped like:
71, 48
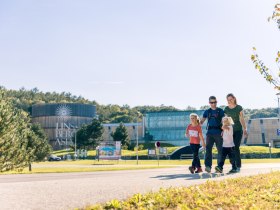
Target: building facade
263, 131
60, 121
131, 129
169, 127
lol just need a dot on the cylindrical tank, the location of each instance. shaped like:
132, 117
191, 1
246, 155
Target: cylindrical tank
60, 121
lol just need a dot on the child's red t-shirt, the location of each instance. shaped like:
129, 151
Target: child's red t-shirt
194, 132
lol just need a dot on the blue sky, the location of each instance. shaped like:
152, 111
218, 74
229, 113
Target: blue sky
148, 52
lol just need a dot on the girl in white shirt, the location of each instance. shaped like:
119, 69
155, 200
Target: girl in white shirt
228, 146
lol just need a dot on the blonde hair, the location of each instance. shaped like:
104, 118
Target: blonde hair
196, 116
227, 121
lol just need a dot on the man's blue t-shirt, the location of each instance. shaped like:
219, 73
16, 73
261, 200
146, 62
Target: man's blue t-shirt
214, 118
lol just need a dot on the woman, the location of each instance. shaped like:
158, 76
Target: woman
235, 111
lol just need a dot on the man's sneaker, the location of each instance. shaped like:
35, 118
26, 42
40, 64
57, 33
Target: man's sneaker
218, 169
237, 169
199, 170
208, 169
191, 169
233, 171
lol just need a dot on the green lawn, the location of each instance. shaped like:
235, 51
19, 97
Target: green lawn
243, 149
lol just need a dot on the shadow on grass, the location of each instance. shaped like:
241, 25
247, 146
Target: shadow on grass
190, 176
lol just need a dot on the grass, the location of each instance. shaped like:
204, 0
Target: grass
243, 149
107, 165
81, 169
254, 192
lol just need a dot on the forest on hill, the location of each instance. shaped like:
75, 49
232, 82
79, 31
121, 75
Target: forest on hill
111, 113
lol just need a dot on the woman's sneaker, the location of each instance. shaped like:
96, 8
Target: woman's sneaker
233, 171
199, 170
208, 169
218, 169
192, 169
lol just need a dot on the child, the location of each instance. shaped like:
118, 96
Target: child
228, 146
194, 132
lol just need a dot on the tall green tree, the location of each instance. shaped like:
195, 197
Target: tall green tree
121, 134
259, 64
90, 135
13, 136
19, 144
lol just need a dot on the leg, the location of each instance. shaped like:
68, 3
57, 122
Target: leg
196, 156
223, 157
237, 137
193, 148
208, 155
231, 156
219, 145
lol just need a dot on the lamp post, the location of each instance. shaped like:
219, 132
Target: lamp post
278, 98
76, 128
137, 138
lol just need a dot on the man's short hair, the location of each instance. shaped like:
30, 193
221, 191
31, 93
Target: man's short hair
212, 98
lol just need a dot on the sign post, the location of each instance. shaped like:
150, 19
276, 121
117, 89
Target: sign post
157, 145
269, 144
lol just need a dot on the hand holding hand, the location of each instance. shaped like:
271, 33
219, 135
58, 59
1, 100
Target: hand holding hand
203, 145
245, 133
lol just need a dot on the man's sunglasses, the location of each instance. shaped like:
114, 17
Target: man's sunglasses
213, 102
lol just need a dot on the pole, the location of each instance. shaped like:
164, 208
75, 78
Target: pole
269, 144
137, 139
75, 143
278, 110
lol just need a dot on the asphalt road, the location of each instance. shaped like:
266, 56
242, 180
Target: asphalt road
72, 190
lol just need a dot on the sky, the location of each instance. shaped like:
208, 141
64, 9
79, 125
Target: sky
142, 52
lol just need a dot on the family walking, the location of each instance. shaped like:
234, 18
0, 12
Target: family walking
225, 128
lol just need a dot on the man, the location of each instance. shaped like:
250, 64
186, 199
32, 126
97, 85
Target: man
214, 117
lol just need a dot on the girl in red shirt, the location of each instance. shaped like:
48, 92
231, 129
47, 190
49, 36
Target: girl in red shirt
194, 133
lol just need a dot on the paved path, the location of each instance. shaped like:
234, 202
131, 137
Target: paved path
70, 190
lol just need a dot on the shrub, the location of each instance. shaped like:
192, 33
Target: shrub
255, 192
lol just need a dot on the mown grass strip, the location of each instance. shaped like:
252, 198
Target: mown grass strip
254, 192
243, 150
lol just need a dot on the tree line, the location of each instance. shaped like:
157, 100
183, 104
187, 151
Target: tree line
111, 113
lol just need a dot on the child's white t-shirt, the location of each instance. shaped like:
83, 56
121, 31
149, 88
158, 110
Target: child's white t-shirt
228, 137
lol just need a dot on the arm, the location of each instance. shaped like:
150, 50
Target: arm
202, 139
187, 132
202, 120
242, 121
224, 127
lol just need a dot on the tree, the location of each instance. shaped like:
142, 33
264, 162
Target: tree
190, 108
39, 141
121, 134
37, 145
90, 135
13, 136
259, 64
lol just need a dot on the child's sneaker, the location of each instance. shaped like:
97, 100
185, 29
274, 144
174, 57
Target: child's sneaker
192, 169
218, 169
208, 169
233, 171
199, 170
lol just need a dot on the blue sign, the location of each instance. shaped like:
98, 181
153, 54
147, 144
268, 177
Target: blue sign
278, 132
